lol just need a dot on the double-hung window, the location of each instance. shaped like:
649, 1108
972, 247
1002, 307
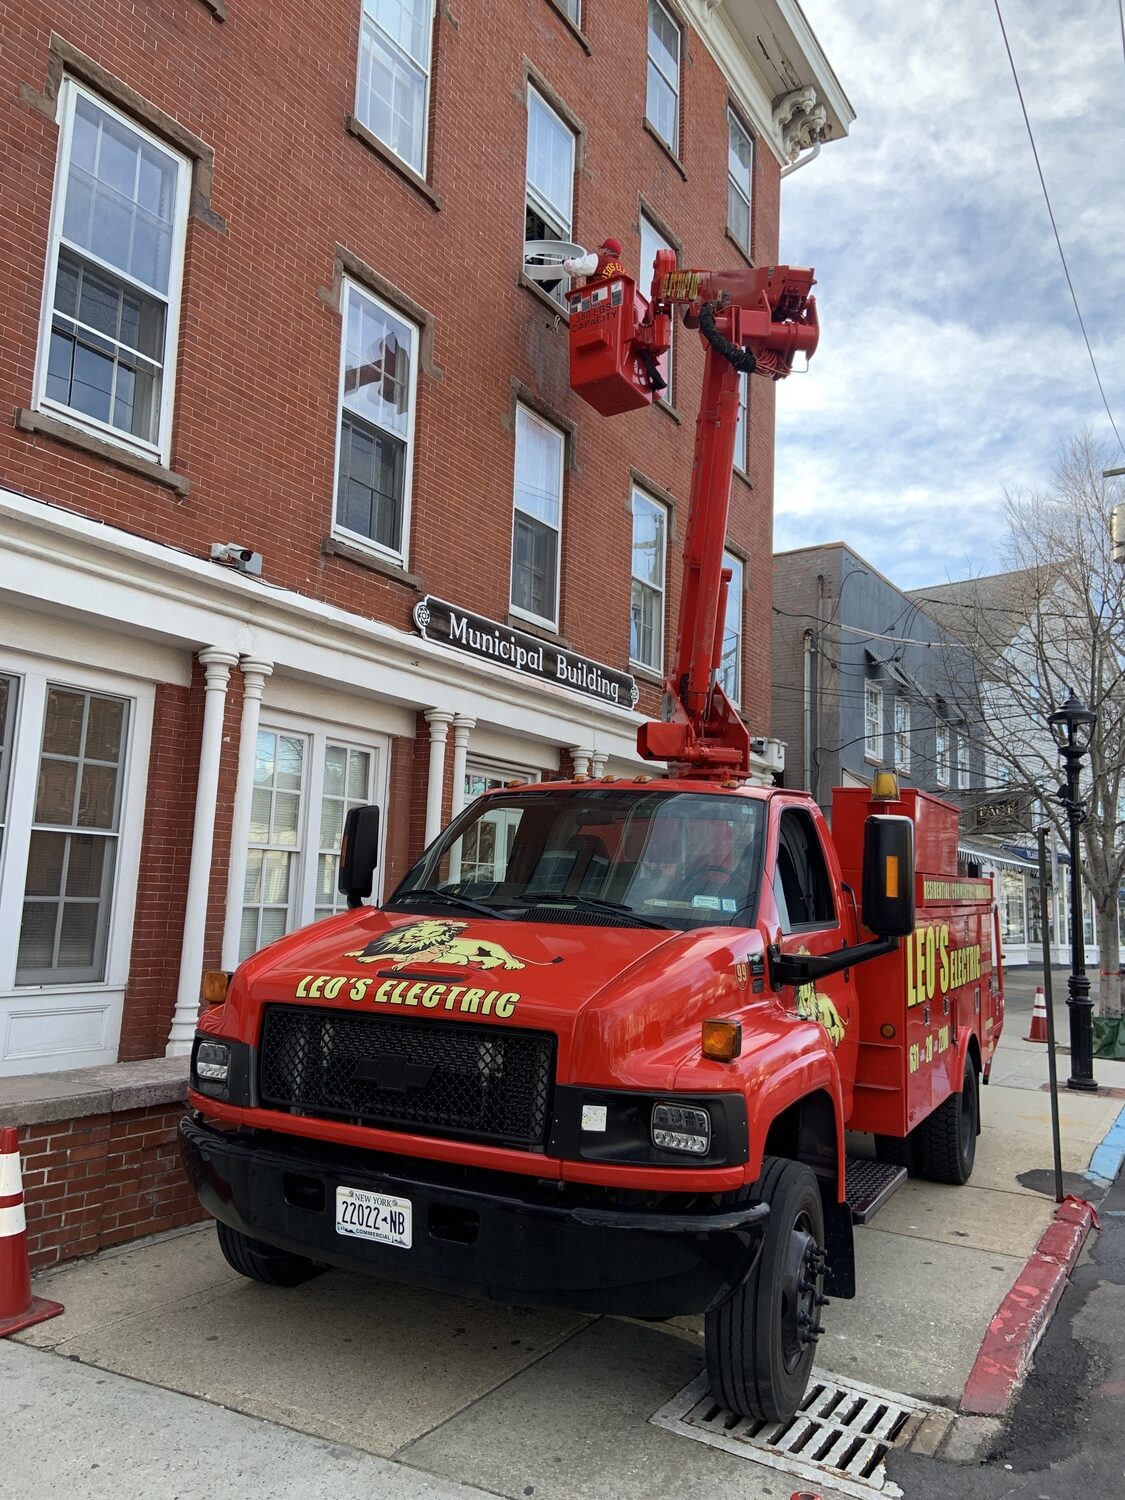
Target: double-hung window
742, 428
652, 241
662, 109
963, 774
378, 375
646, 611
111, 304
305, 784
549, 202
902, 733
392, 97
740, 173
872, 720
941, 753
571, 9
730, 665
537, 522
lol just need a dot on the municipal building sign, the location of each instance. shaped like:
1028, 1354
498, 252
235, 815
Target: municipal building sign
446, 623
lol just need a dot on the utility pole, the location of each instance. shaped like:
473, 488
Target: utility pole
1117, 520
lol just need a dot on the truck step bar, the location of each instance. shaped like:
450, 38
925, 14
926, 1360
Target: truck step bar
869, 1185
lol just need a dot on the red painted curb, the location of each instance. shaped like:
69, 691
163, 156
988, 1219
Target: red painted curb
1022, 1318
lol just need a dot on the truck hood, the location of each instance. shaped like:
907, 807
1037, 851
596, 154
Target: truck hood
632, 987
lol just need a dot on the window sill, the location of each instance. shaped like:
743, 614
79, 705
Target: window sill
668, 409
217, 8
408, 174
576, 31
645, 674
559, 309
742, 474
741, 248
667, 150
873, 760
332, 547
76, 437
531, 627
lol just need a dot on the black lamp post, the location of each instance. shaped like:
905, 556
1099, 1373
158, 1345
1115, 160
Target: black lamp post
1073, 727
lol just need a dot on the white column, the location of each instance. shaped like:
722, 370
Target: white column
597, 763
580, 759
463, 726
218, 664
254, 674
439, 720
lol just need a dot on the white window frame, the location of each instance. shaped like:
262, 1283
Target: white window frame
735, 601
536, 199
964, 766
318, 734
674, 84
103, 1000
160, 452
427, 73
733, 124
742, 427
567, 6
872, 701
526, 614
902, 733
401, 554
661, 589
656, 240
941, 752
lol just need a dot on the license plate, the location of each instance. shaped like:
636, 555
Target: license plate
374, 1216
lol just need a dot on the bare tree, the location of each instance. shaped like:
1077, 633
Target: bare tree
1053, 624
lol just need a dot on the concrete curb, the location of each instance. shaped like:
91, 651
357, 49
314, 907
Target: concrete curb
1022, 1318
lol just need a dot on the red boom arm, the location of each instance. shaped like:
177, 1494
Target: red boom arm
754, 320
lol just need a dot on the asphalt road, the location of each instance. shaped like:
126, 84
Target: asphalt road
1064, 1438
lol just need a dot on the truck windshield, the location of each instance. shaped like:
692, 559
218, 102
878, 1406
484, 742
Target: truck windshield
666, 858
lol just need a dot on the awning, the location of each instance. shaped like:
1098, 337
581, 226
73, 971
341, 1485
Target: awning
983, 855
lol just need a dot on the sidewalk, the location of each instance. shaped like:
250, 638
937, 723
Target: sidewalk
515, 1402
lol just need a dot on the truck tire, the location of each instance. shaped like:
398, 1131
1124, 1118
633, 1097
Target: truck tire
900, 1151
760, 1343
260, 1262
947, 1139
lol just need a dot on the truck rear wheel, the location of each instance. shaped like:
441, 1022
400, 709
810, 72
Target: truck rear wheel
760, 1343
947, 1139
261, 1262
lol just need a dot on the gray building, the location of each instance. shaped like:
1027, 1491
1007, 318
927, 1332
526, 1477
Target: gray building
862, 680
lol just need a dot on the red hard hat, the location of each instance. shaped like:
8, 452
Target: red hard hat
613, 246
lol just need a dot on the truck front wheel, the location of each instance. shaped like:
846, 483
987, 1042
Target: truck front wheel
261, 1262
947, 1139
760, 1343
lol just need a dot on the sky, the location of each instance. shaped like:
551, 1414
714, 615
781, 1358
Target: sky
951, 365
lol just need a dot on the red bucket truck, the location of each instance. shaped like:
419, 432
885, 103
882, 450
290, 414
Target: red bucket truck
600, 1048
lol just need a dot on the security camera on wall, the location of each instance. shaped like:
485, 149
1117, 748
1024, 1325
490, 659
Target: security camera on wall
234, 556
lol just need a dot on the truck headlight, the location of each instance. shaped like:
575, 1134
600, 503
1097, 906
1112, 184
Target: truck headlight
678, 1127
212, 1061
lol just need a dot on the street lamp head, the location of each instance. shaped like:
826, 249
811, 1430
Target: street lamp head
1073, 725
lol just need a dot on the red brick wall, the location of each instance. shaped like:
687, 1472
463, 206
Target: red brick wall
255, 406
102, 1181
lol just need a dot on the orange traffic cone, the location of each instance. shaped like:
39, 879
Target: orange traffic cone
18, 1308
1038, 1032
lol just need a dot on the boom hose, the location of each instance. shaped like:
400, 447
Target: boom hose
740, 358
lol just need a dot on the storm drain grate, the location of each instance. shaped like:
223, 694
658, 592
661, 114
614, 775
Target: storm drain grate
842, 1432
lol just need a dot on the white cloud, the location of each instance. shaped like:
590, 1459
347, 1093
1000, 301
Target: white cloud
951, 363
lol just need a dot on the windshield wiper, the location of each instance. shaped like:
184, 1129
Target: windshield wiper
432, 893
595, 903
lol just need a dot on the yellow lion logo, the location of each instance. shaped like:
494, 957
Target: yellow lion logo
814, 1005
433, 942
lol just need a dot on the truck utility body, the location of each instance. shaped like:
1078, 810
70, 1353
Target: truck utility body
600, 1048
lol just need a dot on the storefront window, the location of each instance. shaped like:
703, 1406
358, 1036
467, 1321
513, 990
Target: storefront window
1012, 925
1034, 925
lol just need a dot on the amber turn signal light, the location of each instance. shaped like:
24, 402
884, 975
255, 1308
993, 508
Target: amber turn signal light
216, 983
890, 877
722, 1040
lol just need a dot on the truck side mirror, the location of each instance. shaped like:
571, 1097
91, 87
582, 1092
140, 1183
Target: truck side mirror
888, 875
359, 854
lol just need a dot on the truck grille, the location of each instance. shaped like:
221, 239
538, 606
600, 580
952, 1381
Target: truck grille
440, 1077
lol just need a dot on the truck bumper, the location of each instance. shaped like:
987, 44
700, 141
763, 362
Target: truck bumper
488, 1236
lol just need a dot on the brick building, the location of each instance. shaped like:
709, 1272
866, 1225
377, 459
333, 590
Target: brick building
257, 294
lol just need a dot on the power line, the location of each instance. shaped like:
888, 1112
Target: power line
1051, 215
